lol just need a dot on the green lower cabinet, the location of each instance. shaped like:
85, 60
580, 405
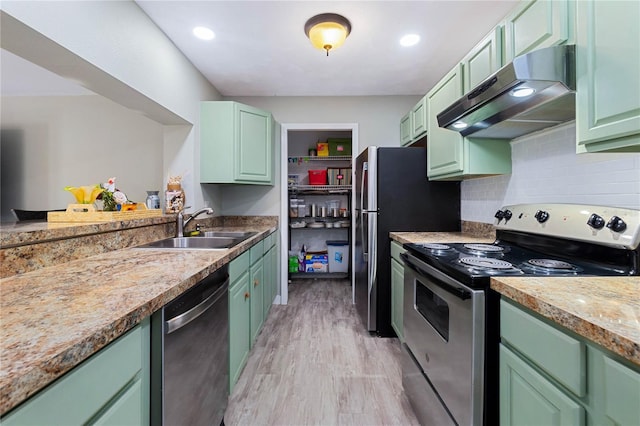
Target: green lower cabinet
527, 398
551, 376
257, 298
270, 279
111, 387
607, 70
239, 324
397, 298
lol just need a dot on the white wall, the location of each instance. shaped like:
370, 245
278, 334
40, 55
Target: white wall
546, 168
75, 140
115, 50
378, 119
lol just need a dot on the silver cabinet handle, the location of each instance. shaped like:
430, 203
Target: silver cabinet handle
193, 313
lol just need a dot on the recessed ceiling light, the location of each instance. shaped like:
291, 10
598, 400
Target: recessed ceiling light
203, 33
409, 40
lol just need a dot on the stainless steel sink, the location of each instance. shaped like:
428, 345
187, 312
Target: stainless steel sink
212, 240
229, 234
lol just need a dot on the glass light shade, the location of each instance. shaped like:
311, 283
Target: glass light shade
327, 35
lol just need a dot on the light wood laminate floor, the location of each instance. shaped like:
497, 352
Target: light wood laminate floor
314, 364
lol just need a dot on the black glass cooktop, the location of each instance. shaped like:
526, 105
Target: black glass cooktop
474, 264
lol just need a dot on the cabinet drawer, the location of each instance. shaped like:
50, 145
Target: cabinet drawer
80, 394
239, 266
396, 250
257, 251
559, 355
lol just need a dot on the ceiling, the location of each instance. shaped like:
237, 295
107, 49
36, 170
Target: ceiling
260, 48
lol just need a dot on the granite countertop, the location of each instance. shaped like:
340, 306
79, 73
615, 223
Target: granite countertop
605, 310
439, 237
56, 317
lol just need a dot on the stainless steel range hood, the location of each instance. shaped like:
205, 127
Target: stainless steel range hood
535, 91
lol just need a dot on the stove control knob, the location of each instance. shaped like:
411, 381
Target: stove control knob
595, 221
507, 214
616, 224
499, 215
541, 216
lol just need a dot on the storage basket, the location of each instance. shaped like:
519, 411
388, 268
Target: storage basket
339, 146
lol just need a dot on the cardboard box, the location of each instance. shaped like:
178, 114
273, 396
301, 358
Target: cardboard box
318, 262
323, 149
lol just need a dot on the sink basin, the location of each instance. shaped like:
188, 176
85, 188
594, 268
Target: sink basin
229, 234
203, 243
212, 240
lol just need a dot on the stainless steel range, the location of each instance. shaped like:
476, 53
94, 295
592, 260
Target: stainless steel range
451, 323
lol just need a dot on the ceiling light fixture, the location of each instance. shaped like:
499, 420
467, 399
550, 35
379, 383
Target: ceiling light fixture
327, 31
203, 33
409, 40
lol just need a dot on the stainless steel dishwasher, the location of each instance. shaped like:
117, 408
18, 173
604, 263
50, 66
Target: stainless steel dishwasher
195, 388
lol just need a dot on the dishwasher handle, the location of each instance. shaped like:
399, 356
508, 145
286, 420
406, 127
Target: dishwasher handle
181, 320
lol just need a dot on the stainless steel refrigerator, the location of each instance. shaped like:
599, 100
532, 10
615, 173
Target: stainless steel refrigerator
393, 195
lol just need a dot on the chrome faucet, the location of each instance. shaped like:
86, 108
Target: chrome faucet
182, 223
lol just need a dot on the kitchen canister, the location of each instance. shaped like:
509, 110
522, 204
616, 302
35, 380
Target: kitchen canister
153, 200
174, 195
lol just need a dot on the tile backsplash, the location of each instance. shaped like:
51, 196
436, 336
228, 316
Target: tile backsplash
546, 169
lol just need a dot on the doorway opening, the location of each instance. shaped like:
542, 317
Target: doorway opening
313, 214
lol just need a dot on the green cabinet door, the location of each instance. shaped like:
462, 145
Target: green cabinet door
257, 298
239, 325
483, 60
527, 398
397, 298
537, 24
419, 119
111, 385
405, 129
607, 71
236, 144
268, 283
445, 147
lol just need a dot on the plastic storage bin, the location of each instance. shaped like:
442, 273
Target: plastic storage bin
338, 256
317, 177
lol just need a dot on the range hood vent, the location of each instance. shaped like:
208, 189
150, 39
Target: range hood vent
535, 91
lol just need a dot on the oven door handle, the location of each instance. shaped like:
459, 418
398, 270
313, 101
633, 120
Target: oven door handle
459, 292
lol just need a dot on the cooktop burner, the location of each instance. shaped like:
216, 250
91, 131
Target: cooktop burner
436, 246
486, 263
550, 264
484, 248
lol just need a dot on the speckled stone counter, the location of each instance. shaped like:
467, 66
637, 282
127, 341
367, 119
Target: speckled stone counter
605, 310
439, 237
55, 317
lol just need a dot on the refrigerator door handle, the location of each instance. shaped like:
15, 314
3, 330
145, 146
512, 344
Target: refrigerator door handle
365, 167
373, 249
365, 241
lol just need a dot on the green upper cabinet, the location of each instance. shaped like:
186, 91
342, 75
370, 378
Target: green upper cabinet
536, 24
483, 60
608, 76
445, 148
405, 130
419, 119
236, 144
449, 155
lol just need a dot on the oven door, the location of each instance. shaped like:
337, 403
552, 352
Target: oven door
444, 330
